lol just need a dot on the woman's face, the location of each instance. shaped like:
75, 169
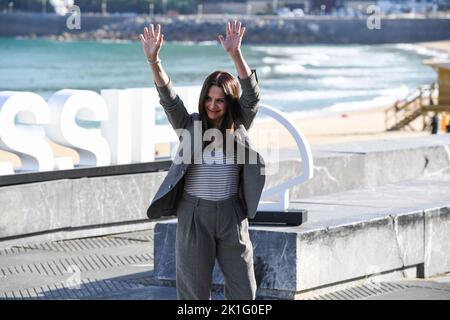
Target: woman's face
215, 105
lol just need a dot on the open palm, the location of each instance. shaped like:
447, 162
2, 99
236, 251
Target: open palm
234, 35
152, 42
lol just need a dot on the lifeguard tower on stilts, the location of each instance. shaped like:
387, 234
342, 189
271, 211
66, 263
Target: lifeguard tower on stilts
432, 102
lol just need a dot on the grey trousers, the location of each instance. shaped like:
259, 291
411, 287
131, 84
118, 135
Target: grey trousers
207, 230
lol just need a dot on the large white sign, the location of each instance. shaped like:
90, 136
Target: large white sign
125, 131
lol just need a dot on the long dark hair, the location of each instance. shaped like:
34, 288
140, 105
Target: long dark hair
230, 87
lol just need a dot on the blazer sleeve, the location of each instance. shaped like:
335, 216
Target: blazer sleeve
173, 106
249, 99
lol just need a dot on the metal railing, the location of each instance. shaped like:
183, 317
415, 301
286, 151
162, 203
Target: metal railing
404, 111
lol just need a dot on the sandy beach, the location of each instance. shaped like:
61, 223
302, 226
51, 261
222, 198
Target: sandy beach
443, 46
348, 126
338, 128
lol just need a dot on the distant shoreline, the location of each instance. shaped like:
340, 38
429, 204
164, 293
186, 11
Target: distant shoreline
264, 29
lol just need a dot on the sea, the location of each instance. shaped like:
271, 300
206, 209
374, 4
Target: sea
303, 80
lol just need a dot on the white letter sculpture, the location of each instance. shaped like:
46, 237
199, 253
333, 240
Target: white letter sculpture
66, 106
27, 137
118, 129
143, 118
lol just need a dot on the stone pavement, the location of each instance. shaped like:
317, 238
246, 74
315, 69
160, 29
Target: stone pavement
435, 288
120, 267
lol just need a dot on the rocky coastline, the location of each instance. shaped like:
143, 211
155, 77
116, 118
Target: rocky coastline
264, 29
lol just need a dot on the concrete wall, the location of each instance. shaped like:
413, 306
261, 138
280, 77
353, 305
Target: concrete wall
68, 207
71, 208
346, 166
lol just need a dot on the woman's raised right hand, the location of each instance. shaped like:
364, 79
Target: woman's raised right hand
152, 42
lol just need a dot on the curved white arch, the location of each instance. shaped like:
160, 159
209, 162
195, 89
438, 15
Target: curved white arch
282, 190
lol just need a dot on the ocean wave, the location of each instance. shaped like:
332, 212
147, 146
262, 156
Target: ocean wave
349, 73
295, 115
208, 43
308, 95
421, 50
323, 51
377, 102
336, 109
290, 96
193, 43
291, 61
264, 70
288, 69
115, 41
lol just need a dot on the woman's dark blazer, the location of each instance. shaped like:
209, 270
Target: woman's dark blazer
252, 176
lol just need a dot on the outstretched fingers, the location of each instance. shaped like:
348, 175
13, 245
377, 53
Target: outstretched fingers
235, 28
146, 35
158, 31
151, 33
152, 30
221, 39
241, 33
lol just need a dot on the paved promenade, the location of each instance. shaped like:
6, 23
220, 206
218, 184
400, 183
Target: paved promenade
120, 267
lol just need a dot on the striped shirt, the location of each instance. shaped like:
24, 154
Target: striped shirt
214, 178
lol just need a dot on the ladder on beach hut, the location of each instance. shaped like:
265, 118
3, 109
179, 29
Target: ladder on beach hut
405, 111
434, 98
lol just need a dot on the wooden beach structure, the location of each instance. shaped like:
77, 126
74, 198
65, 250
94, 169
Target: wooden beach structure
426, 101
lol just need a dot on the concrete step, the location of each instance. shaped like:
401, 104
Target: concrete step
395, 231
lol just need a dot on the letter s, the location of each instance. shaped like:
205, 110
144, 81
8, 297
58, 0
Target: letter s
65, 107
26, 138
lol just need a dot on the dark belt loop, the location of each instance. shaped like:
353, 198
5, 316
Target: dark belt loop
233, 201
237, 202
